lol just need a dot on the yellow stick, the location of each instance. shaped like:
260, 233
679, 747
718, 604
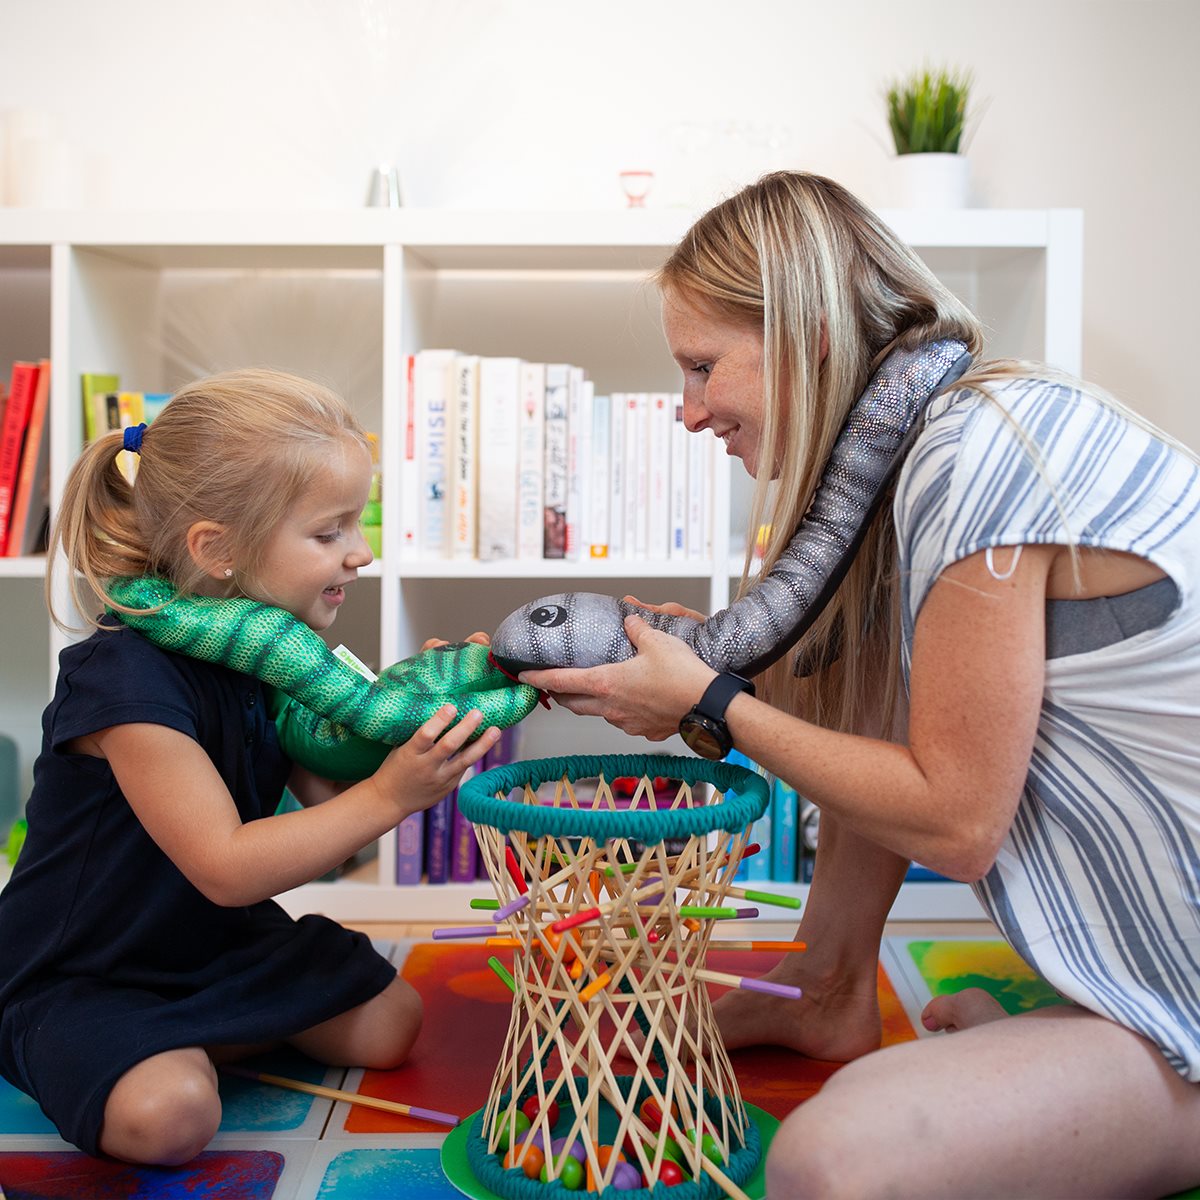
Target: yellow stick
328, 1093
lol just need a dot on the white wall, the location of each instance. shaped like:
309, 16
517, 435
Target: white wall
538, 103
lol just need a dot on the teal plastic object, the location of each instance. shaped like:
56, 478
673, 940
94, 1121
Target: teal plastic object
10, 774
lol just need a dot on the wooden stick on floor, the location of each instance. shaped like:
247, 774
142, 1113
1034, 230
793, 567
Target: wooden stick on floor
328, 1093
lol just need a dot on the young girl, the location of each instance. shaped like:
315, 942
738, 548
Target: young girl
139, 943
1023, 621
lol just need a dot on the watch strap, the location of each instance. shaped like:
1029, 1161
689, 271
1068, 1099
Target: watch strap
720, 693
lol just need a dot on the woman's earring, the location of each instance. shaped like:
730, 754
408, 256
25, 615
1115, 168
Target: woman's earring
228, 572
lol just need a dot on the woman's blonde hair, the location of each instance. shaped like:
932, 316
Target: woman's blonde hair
799, 258
235, 449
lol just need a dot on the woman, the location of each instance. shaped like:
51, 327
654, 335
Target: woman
1005, 687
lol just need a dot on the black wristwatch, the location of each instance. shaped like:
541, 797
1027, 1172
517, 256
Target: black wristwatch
704, 729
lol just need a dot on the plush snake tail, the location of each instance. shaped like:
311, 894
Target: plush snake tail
585, 629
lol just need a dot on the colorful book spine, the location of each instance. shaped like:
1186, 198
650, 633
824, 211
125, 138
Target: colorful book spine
21, 392
637, 474
660, 414
617, 474
31, 498
576, 454
434, 403
699, 463
679, 480
499, 435
95, 386
600, 488
554, 485
531, 466
785, 816
464, 480
410, 466
410, 850
464, 849
438, 822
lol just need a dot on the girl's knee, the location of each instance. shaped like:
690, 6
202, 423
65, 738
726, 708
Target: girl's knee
397, 1028
165, 1125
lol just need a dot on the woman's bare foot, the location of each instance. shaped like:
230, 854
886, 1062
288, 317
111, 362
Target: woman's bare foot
834, 1019
961, 1010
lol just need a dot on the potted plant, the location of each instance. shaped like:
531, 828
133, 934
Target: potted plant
927, 115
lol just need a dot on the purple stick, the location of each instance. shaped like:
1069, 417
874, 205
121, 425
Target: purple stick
507, 910
432, 1114
463, 931
746, 913
772, 989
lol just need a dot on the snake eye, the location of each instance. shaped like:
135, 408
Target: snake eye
548, 616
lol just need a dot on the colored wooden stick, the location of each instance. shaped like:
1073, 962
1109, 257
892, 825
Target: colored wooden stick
748, 984
481, 902
514, 871
463, 931
735, 944
328, 1093
504, 974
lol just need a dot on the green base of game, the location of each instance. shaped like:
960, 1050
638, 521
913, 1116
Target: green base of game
458, 1168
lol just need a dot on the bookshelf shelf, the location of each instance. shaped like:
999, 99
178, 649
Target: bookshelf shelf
160, 297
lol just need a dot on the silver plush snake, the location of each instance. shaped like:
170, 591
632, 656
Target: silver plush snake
585, 629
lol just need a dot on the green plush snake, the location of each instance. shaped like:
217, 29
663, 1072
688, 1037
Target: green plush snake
329, 718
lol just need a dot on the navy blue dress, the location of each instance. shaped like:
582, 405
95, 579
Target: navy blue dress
108, 955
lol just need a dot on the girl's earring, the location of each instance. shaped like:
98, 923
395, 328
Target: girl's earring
228, 572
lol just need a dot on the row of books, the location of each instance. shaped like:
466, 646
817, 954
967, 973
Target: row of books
509, 459
25, 459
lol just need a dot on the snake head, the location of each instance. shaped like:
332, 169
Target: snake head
569, 629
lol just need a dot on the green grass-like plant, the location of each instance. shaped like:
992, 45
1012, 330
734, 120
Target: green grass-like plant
928, 110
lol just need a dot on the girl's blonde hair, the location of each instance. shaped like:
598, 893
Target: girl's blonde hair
799, 258
236, 449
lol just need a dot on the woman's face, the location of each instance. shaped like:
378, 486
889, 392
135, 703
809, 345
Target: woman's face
722, 376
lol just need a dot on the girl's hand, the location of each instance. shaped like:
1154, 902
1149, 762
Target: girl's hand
645, 696
482, 638
431, 763
670, 608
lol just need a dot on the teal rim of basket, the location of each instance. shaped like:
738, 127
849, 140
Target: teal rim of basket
745, 799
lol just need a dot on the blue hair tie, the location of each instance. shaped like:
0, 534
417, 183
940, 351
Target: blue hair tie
133, 437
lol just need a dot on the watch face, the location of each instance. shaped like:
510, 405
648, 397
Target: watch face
704, 737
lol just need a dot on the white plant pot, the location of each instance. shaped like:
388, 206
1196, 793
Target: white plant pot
930, 180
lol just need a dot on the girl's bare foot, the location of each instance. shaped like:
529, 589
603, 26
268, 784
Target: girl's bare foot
961, 1010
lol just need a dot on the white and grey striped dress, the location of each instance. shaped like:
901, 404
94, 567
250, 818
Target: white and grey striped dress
1097, 884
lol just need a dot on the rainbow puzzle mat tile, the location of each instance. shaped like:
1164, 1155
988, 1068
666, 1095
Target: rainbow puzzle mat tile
283, 1145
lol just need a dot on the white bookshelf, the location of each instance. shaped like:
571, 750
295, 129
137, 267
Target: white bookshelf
344, 297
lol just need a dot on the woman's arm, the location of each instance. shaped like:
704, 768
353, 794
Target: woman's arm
184, 805
948, 797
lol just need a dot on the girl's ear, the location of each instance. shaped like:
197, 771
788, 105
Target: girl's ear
206, 543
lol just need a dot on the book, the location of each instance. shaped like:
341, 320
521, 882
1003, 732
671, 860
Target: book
661, 414
31, 498
618, 408
679, 480
499, 439
699, 463
410, 850
434, 405
531, 467
577, 389
785, 817
554, 484
600, 488
438, 820
464, 514
21, 392
637, 474
464, 849
410, 470
95, 386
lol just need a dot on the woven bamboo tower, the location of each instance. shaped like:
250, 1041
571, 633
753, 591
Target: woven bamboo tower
607, 904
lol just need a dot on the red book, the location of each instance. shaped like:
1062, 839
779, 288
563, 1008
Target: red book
31, 498
12, 436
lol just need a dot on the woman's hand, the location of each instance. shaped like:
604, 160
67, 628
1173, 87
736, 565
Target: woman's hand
482, 638
645, 696
416, 775
670, 608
